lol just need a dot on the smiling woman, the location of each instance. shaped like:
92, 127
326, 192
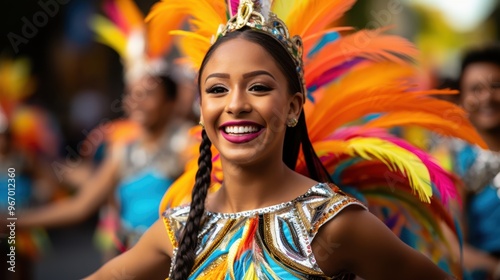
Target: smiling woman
253, 97
276, 211
480, 169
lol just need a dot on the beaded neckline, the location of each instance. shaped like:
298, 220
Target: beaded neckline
263, 210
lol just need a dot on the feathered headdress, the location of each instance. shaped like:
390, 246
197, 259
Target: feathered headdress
126, 32
359, 86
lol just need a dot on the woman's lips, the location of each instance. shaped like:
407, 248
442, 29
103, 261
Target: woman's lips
240, 132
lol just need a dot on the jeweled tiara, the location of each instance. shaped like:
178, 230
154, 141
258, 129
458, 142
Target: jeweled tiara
249, 16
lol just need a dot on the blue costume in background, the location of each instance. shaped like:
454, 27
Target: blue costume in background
145, 176
480, 171
23, 185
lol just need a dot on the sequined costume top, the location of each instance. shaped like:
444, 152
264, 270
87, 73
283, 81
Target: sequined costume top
268, 243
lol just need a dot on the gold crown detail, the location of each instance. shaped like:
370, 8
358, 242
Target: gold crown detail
276, 28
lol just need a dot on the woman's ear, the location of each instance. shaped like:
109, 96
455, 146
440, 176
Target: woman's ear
296, 105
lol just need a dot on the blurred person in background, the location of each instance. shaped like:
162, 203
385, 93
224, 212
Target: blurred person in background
480, 169
135, 172
28, 141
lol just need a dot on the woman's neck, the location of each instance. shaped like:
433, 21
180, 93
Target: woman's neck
153, 135
261, 185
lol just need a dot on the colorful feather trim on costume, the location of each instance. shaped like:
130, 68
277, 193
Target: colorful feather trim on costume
355, 96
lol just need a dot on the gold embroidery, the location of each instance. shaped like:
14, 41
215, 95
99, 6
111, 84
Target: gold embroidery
209, 269
277, 252
170, 232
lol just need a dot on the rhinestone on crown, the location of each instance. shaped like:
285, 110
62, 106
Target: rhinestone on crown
276, 28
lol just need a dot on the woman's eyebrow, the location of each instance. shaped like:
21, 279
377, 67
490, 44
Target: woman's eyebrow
217, 75
257, 73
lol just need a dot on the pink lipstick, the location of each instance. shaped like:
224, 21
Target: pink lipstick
238, 132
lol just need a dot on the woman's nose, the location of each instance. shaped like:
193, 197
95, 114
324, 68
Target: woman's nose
238, 102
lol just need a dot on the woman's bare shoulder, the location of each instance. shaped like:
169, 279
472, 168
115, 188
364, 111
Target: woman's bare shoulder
359, 242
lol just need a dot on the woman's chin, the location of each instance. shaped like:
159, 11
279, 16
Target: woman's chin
487, 122
242, 158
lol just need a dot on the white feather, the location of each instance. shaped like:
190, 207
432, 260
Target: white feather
266, 7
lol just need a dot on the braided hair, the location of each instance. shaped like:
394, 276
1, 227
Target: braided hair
186, 252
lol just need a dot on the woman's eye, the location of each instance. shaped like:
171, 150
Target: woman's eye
495, 86
216, 89
260, 88
476, 89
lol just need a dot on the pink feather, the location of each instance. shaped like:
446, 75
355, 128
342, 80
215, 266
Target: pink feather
111, 9
233, 6
440, 177
356, 131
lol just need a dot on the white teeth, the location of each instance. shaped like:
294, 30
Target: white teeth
240, 129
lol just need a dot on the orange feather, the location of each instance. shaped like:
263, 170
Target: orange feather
319, 13
312, 39
369, 44
158, 26
447, 123
350, 90
204, 17
131, 12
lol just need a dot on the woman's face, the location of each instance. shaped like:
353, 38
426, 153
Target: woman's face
146, 103
480, 94
245, 102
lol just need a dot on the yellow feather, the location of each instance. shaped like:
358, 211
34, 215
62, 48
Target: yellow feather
207, 21
396, 158
193, 46
217, 271
250, 273
109, 34
283, 8
180, 191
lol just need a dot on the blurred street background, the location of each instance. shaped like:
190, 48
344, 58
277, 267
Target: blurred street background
76, 82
